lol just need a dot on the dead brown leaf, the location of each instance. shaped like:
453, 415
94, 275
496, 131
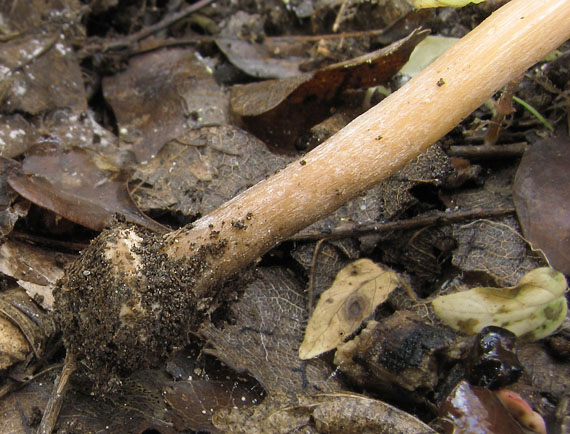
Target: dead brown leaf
202, 168
541, 194
41, 74
18, 17
70, 183
265, 335
278, 111
161, 94
242, 41
35, 268
492, 249
256, 59
325, 413
195, 401
25, 327
13, 344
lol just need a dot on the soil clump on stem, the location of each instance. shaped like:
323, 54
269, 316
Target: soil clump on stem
127, 309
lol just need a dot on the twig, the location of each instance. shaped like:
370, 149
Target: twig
503, 108
147, 31
70, 246
12, 385
482, 152
203, 39
440, 218
311, 286
53, 407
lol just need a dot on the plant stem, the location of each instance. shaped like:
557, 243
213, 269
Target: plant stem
382, 140
132, 298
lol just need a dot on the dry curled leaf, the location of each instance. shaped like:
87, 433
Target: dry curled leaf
532, 309
353, 296
280, 111
36, 269
24, 327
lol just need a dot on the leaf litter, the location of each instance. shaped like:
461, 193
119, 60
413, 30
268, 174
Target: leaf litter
78, 186
69, 116
542, 206
160, 95
292, 105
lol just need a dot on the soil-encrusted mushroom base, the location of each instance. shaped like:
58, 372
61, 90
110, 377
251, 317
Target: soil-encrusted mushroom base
124, 305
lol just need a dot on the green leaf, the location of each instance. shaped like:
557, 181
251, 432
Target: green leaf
354, 295
426, 52
533, 309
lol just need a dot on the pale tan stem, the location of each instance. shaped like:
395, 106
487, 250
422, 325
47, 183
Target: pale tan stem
124, 305
382, 140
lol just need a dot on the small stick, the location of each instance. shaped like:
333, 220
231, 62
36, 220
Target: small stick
127, 41
53, 407
503, 108
482, 152
399, 225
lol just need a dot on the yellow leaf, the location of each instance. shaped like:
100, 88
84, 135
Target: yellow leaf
354, 295
533, 309
421, 4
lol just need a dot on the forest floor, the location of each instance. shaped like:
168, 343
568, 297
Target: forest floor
156, 112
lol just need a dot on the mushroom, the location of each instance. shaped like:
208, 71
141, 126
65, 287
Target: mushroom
133, 297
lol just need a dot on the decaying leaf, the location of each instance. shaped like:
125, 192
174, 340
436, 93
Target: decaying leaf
195, 401
13, 345
492, 250
24, 327
532, 309
325, 413
279, 111
263, 339
202, 168
41, 74
542, 206
72, 184
336, 411
256, 55
161, 94
353, 296
35, 268
421, 4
